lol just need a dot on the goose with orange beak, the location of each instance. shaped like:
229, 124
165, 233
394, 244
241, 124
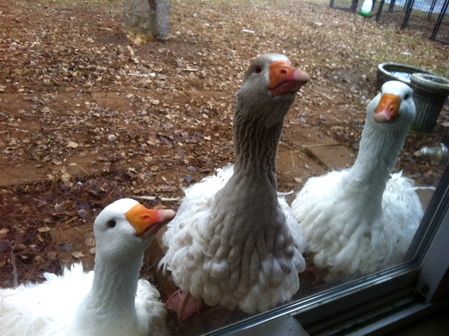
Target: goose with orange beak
110, 300
360, 220
233, 243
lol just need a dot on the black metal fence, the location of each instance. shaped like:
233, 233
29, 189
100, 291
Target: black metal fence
431, 17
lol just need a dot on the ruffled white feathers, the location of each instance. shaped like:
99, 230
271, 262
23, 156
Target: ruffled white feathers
250, 277
47, 308
348, 240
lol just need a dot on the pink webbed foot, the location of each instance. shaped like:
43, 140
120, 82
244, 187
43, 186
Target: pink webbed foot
315, 274
183, 304
312, 275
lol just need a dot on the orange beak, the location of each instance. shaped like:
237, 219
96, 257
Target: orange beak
284, 78
388, 108
148, 220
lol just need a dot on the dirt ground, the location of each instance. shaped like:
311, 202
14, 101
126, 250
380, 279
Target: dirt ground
87, 117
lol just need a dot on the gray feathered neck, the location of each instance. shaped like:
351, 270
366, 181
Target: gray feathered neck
257, 130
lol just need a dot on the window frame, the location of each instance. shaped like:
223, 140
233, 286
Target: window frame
382, 300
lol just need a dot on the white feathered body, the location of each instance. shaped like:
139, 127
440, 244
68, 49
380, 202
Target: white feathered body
49, 308
362, 219
348, 236
222, 252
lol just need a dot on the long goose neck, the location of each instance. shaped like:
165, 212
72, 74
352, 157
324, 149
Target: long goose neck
115, 284
256, 147
379, 149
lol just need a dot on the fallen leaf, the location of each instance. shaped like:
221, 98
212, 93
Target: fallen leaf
4, 231
78, 254
4, 245
72, 144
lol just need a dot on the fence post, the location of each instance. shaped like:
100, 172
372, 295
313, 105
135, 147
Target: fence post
439, 20
391, 6
408, 11
432, 6
405, 5
379, 10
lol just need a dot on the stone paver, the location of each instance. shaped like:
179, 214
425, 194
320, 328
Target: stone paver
295, 167
334, 157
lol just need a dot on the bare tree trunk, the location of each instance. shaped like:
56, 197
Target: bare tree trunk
147, 19
162, 19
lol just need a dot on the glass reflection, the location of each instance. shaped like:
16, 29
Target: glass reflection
84, 124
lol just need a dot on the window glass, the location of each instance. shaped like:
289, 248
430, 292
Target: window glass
90, 113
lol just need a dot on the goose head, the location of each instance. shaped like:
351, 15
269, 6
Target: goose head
393, 107
269, 88
388, 119
126, 227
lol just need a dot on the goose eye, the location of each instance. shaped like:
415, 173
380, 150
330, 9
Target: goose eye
257, 69
111, 223
407, 95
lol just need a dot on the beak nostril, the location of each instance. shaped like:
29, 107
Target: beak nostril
283, 71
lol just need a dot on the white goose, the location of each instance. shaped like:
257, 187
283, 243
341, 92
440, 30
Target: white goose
232, 243
361, 219
110, 300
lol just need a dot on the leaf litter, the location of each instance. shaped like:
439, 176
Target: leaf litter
86, 117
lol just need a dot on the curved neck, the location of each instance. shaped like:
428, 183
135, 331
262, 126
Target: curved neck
379, 149
256, 146
114, 285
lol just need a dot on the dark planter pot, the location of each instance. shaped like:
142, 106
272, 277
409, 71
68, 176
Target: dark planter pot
429, 91
429, 95
394, 71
